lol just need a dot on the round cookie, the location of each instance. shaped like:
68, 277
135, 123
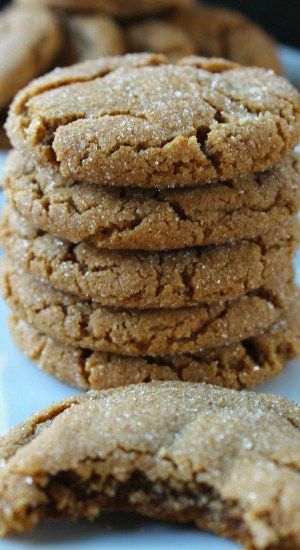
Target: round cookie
218, 32
241, 365
38, 32
139, 121
189, 453
145, 332
116, 218
142, 280
118, 8
156, 35
90, 37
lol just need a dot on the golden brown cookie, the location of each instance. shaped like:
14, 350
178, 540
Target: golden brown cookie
156, 35
221, 32
89, 37
145, 332
119, 8
138, 121
241, 365
29, 41
158, 449
143, 280
117, 218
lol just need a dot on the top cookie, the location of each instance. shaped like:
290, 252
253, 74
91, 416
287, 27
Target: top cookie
228, 461
121, 8
138, 121
39, 45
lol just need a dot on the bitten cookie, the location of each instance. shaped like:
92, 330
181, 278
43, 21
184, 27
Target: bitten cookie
218, 32
139, 121
29, 41
241, 365
145, 332
117, 218
142, 280
158, 449
121, 8
159, 36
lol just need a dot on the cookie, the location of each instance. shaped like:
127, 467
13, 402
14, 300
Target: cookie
143, 280
89, 37
156, 35
145, 332
117, 218
39, 33
241, 365
119, 8
139, 121
158, 449
218, 32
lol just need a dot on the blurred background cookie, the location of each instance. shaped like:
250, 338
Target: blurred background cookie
218, 32
88, 36
155, 35
30, 40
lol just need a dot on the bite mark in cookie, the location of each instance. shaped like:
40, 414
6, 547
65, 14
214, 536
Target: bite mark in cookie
158, 449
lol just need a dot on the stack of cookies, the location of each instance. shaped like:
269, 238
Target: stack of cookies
151, 224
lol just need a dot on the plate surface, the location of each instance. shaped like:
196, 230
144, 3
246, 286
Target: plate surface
24, 389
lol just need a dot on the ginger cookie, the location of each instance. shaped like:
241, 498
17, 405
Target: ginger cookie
221, 32
224, 460
39, 33
143, 280
241, 365
116, 218
159, 36
145, 332
138, 121
118, 8
89, 37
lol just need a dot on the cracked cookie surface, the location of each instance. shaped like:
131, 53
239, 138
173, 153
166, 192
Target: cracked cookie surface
142, 280
145, 332
158, 449
116, 218
241, 365
18, 65
138, 121
218, 32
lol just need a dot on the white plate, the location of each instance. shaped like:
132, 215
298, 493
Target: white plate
24, 389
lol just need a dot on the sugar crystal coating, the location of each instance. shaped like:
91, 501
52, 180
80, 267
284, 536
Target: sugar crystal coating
138, 121
145, 332
148, 280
